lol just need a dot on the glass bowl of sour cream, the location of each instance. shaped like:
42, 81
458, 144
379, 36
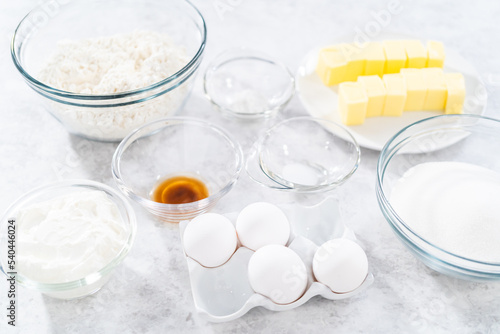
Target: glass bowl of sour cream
65, 239
438, 186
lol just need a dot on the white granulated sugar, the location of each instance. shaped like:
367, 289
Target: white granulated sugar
453, 205
114, 64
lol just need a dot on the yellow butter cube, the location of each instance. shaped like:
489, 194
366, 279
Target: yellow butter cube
436, 89
435, 54
375, 90
395, 87
355, 61
416, 89
416, 54
332, 66
352, 103
395, 55
455, 85
375, 59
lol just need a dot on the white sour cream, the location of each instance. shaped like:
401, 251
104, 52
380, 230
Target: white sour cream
68, 237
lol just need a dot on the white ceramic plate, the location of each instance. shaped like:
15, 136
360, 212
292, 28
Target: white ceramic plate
224, 293
321, 101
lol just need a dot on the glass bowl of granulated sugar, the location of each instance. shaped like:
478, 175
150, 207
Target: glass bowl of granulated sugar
105, 68
438, 186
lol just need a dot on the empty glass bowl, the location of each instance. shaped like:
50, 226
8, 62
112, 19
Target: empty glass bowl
248, 84
304, 154
462, 138
110, 117
173, 147
93, 281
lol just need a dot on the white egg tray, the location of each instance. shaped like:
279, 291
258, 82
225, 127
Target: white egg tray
224, 293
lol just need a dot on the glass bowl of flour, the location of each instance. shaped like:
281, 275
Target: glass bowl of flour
66, 239
438, 186
105, 68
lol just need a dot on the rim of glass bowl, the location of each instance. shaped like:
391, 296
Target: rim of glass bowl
186, 208
236, 54
300, 187
115, 195
389, 150
188, 69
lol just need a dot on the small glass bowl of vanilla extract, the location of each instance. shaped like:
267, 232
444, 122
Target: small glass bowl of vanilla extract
177, 168
179, 190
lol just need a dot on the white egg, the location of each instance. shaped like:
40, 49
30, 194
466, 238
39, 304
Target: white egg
341, 265
278, 273
260, 224
210, 239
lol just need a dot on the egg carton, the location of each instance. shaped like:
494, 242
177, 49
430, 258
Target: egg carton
224, 293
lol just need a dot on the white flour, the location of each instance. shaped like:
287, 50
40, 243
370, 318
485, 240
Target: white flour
454, 205
110, 65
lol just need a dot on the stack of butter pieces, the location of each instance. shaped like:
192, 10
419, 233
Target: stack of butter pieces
389, 77
411, 90
346, 62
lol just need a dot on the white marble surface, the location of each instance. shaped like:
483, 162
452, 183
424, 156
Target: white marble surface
150, 291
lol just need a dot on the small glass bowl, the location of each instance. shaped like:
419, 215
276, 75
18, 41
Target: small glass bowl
248, 84
109, 117
177, 147
92, 282
464, 138
304, 154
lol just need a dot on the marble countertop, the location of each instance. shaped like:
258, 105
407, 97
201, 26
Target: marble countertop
150, 291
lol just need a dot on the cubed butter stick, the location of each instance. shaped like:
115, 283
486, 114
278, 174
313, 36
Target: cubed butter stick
435, 54
355, 59
375, 59
436, 89
395, 56
416, 54
416, 89
455, 85
395, 87
352, 103
376, 93
332, 66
